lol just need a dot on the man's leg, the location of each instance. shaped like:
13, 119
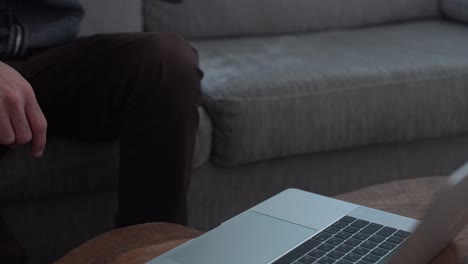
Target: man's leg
141, 88
10, 251
3, 150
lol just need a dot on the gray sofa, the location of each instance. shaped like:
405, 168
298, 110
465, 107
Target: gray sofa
327, 96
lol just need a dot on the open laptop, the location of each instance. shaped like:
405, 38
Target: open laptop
298, 227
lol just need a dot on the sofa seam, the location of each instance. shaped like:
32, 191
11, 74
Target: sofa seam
218, 99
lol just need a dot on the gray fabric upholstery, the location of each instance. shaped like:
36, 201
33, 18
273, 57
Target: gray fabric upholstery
279, 96
455, 9
111, 16
215, 18
220, 193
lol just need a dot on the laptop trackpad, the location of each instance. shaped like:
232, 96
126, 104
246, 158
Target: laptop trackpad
250, 238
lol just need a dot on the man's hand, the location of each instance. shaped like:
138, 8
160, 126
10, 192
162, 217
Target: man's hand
21, 118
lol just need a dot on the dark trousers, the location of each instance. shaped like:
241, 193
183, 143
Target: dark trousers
140, 88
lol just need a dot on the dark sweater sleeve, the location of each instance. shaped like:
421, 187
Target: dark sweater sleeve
11, 32
35, 24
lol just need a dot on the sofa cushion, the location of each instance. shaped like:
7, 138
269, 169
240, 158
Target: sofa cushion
272, 97
456, 9
210, 18
204, 136
70, 166
111, 16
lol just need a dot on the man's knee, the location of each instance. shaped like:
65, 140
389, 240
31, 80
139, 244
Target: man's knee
178, 77
166, 48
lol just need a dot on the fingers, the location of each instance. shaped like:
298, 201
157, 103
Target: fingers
21, 118
7, 134
21, 127
38, 124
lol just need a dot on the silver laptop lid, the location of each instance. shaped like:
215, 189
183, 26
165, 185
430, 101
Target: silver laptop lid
444, 219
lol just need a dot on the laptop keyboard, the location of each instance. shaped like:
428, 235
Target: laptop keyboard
348, 240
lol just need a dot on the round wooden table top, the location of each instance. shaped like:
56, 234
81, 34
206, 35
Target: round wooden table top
141, 243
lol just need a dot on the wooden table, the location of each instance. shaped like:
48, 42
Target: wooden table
138, 244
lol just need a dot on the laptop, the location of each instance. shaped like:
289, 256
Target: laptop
298, 227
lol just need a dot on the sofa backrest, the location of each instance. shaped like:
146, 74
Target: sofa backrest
220, 18
455, 9
110, 16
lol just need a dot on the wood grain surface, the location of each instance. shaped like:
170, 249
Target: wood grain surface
138, 244
131, 245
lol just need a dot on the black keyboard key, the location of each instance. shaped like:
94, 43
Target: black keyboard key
369, 244
371, 229
386, 231
326, 247
343, 261
332, 230
297, 252
316, 253
360, 223
360, 251
353, 242
403, 234
376, 238
361, 236
395, 240
351, 229
379, 252
307, 259
343, 235
326, 260
352, 257
340, 224
335, 241
344, 248
387, 246
322, 236
348, 219
371, 258
335, 254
